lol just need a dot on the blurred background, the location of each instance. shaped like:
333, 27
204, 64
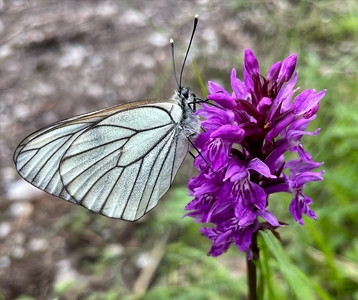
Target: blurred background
62, 58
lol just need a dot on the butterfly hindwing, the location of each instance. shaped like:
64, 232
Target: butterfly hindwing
38, 156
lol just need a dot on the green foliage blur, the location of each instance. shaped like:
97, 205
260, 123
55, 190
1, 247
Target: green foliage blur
318, 260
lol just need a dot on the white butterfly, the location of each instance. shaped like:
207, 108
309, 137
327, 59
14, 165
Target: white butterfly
117, 161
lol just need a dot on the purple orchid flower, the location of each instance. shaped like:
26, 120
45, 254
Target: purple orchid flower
242, 161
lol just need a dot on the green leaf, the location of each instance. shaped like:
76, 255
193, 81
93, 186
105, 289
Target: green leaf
301, 285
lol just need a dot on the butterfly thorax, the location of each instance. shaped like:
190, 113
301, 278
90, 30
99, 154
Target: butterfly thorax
189, 122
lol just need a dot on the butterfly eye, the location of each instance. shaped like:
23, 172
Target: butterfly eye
185, 93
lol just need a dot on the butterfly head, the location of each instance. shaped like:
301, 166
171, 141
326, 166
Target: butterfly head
187, 94
186, 97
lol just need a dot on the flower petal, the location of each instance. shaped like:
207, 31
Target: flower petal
287, 69
231, 133
238, 87
306, 101
268, 216
251, 63
273, 72
260, 167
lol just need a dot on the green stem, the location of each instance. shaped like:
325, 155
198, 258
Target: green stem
251, 269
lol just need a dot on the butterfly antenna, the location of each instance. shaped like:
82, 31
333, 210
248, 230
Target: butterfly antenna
175, 72
196, 18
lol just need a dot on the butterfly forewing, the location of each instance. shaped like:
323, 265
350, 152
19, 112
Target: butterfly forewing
117, 161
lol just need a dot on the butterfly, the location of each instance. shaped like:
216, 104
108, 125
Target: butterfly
117, 161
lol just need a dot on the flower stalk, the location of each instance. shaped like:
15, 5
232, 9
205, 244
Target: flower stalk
251, 269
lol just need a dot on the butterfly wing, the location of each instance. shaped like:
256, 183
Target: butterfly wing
118, 162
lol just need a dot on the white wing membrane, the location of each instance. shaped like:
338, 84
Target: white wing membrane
117, 162
39, 159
